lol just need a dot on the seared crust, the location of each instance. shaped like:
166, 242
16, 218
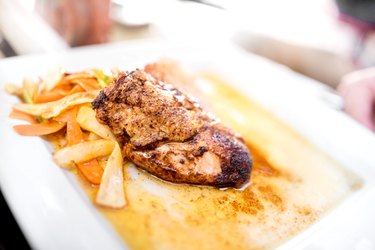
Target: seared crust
167, 134
148, 110
214, 157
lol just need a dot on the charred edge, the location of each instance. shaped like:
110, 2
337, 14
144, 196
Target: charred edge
123, 138
235, 170
242, 162
199, 151
120, 81
100, 100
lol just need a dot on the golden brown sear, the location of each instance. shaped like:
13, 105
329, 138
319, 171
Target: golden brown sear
169, 135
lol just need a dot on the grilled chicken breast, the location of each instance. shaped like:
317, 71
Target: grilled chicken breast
166, 133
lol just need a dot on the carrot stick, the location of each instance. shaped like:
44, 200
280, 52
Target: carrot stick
73, 130
76, 89
63, 89
55, 94
92, 171
39, 129
68, 78
48, 97
15, 114
87, 84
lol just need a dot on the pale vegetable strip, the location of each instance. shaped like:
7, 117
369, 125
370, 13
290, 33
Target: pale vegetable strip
53, 109
86, 118
29, 88
90, 169
111, 190
52, 78
61, 100
82, 152
103, 79
13, 89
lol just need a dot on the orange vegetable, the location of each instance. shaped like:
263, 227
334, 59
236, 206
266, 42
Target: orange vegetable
57, 93
63, 89
92, 171
61, 100
69, 77
87, 84
48, 97
73, 130
76, 89
15, 114
39, 129
55, 108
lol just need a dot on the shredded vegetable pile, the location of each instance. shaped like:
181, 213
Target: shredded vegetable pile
59, 106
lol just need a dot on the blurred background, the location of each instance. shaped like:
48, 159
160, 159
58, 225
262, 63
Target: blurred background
323, 39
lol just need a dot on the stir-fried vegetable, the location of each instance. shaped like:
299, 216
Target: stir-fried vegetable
39, 129
28, 90
90, 169
87, 120
103, 78
15, 114
111, 191
52, 78
59, 104
53, 109
85, 151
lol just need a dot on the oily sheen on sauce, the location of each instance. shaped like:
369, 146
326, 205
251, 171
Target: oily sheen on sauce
293, 184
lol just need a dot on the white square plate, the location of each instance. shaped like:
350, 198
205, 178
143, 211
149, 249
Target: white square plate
54, 213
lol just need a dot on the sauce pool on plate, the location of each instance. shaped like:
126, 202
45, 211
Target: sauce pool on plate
293, 184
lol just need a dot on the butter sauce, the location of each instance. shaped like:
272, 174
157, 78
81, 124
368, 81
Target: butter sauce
293, 184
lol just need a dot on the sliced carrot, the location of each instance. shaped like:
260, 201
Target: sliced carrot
63, 88
92, 171
87, 84
73, 130
55, 108
48, 97
15, 114
55, 94
76, 89
39, 129
63, 117
81, 75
